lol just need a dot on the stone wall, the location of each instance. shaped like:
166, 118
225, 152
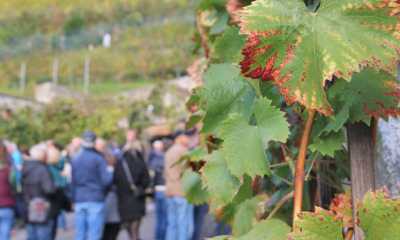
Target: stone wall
12, 102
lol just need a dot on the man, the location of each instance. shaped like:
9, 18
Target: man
156, 165
180, 212
90, 179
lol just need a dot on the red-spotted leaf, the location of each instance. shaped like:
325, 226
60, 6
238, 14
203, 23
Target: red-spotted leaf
300, 49
321, 225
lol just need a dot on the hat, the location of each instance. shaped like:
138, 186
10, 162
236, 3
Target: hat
88, 139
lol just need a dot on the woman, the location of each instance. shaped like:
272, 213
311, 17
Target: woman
7, 201
131, 179
112, 226
38, 189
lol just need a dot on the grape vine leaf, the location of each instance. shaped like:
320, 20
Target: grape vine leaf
193, 188
272, 229
228, 211
300, 50
243, 148
329, 144
225, 92
271, 121
228, 46
244, 144
380, 217
320, 225
371, 93
341, 206
218, 180
245, 216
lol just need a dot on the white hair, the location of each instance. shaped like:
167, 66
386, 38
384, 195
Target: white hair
38, 152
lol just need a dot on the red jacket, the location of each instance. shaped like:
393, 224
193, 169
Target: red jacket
6, 194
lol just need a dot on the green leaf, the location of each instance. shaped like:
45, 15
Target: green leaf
245, 192
225, 92
328, 145
218, 180
380, 217
371, 93
228, 46
271, 121
336, 122
245, 216
300, 49
243, 148
267, 230
209, 4
320, 225
221, 24
193, 189
244, 144
197, 154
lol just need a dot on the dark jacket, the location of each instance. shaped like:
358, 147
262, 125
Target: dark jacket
131, 206
156, 164
90, 176
6, 193
37, 182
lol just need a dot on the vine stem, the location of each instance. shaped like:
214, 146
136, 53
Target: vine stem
349, 235
299, 173
279, 205
203, 36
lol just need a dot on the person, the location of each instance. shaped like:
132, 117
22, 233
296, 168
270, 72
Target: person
156, 166
112, 225
131, 179
180, 212
91, 177
7, 201
55, 164
132, 143
17, 163
38, 187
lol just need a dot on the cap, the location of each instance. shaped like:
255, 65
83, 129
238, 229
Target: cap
88, 139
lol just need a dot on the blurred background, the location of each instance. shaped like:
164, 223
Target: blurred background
94, 46
104, 65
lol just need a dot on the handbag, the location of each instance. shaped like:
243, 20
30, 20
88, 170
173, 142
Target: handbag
135, 189
38, 210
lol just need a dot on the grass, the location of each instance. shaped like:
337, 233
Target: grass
111, 88
100, 89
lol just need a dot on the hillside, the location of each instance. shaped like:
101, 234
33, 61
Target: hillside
147, 40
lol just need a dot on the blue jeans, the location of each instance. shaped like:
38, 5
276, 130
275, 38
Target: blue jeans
180, 219
200, 213
40, 231
89, 220
6, 223
161, 215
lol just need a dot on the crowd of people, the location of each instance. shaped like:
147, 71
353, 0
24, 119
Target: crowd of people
104, 184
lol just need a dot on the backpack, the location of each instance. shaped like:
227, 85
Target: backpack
38, 210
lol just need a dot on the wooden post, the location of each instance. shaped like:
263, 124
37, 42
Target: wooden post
361, 151
22, 78
56, 64
86, 76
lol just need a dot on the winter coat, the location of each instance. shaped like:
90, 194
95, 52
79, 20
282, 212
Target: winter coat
6, 193
90, 176
37, 183
156, 164
131, 206
173, 172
